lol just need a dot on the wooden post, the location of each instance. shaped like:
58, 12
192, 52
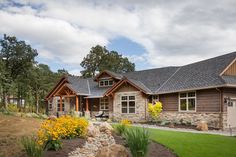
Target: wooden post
87, 104
60, 103
77, 103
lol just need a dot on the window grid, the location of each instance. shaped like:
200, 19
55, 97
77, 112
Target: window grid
128, 104
105, 83
187, 98
104, 104
58, 105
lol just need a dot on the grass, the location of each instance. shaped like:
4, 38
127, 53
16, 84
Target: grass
195, 145
12, 128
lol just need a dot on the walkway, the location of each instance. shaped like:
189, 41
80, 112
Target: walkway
214, 132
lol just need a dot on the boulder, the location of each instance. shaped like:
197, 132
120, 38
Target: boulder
202, 126
92, 131
114, 150
105, 126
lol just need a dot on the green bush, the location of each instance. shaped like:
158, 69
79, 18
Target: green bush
31, 147
138, 141
12, 108
120, 129
53, 145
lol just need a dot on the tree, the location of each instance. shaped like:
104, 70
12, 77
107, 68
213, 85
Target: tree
99, 59
18, 59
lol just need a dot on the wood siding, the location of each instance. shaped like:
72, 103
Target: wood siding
207, 101
169, 101
231, 70
126, 88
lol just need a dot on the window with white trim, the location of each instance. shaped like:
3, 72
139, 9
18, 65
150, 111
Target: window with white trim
105, 83
187, 101
127, 104
104, 103
50, 104
59, 106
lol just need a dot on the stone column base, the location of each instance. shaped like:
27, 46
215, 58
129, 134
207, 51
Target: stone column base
87, 114
78, 114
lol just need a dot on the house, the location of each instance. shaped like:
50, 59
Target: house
204, 90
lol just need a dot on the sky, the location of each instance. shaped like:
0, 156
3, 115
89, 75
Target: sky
151, 33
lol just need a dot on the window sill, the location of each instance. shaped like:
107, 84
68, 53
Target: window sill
187, 111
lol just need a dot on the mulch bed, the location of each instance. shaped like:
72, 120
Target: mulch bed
154, 149
67, 147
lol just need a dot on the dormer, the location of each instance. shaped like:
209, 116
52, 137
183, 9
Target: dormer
107, 78
230, 70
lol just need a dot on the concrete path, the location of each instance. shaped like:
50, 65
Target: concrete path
214, 132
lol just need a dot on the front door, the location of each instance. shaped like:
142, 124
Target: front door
232, 114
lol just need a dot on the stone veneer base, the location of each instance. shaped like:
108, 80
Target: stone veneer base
213, 119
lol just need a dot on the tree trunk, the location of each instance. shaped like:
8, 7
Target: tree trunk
37, 104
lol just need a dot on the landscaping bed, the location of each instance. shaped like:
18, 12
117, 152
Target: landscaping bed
154, 149
68, 145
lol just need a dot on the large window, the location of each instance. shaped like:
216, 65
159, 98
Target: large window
59, 106
105, 83
128, 104
187, 101
104, 104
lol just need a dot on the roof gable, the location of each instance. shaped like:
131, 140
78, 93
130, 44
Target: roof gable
108, 73
230, 70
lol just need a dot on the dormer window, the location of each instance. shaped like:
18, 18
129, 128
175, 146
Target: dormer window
105, 83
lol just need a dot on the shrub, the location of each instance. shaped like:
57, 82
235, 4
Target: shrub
51, 131
12, 108
122, 126
138, 141
120, 129
126, 122
32, 148
154, 110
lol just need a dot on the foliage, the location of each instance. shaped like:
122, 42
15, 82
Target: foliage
137, 140
32, 148
99, 59
155, 110
120, 129
51, 131
12, 108
126, 122
122, 126
21, 76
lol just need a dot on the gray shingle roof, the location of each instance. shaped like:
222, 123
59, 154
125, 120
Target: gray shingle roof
152, 78
201, 74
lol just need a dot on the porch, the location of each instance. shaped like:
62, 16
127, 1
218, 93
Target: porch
65, 101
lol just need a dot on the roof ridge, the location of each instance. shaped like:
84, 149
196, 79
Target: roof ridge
141, 83
168, 79
204, 60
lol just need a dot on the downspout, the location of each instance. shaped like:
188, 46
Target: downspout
221, 107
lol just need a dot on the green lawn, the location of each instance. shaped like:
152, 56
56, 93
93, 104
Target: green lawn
196, 145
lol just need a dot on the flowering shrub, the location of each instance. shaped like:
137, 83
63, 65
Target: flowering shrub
155, 110
51, 131
126, 122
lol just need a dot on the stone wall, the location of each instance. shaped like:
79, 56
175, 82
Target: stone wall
212, 118
140, 107
68, 107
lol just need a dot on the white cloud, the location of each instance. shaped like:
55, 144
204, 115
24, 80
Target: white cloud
172, 32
